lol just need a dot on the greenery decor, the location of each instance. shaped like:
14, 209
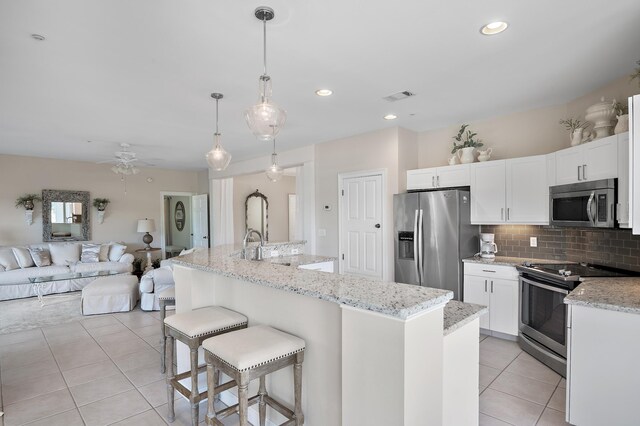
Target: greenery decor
100, 203
636, 73
620, 108
466, 139
27, 201
572, 124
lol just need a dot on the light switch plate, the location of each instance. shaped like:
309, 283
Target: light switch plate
533, 241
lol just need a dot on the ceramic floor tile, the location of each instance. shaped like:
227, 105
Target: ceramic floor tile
59, 338
32, 387
523, 387
89, 373
81, 358
558, 400
21, 336
96, 390
145, 375
120, 349
148, 418
113, 409
183, 412
39, 368
98, 321
30, 410
510, 409
483, 336
141, 359
490, 421
84, 344
125, 335
107, 329
552, 418
488, 375
527, 366
139, 321
23, 347
500, 345
68, 418
156, 393
499, 360
563, 383
12, 361
147, 330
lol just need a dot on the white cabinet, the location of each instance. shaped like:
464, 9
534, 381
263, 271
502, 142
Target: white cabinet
494, 286
438, 177
623, 207
590, 161
510, 191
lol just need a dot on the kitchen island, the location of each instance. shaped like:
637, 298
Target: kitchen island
374, 349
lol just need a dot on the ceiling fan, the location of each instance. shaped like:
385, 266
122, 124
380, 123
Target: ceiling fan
125, 161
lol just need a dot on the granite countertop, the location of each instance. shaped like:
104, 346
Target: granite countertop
614, 294
297, 260
457, 314
508, 261
393, 299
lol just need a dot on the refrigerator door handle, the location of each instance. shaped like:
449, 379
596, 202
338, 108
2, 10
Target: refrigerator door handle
420, 249
416, 253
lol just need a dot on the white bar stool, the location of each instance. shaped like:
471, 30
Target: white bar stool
166, 298
249, 354
192, 328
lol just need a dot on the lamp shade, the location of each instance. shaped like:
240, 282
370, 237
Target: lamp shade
146, 225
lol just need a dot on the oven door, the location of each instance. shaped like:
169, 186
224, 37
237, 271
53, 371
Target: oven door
543, 314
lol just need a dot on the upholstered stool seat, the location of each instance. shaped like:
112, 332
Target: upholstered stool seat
192, 328
249, 354
166, 298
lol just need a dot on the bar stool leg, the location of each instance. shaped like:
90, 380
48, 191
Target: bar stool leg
262, 404
163, 315
216, 382
195, 407
243, 401
297, 385
212, 382
170, 375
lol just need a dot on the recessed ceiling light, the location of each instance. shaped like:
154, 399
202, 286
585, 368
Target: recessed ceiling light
324, 92
390, 117
494, 28
37, 37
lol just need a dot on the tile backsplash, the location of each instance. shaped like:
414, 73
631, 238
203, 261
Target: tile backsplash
613, 247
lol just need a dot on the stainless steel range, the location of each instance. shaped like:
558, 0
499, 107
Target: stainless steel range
543, 314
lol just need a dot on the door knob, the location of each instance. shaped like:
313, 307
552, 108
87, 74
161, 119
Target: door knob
378, 225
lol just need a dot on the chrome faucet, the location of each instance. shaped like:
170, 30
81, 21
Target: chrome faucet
258, 249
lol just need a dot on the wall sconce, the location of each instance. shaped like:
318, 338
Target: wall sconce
28, 202
101, 205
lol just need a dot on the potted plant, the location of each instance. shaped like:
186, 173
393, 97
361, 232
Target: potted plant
622, 113
27, 201
100, 203
576, 128
467, 143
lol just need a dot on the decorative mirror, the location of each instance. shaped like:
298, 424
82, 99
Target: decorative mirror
178, 215
65, 215
257, 215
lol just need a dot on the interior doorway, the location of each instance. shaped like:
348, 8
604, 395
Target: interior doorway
176, 225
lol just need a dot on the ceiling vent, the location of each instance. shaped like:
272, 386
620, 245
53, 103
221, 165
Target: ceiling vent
398, 96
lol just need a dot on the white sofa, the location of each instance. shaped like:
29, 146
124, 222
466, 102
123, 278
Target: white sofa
15, 271
153, 283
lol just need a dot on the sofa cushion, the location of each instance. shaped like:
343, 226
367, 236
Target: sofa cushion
8, 259
23, 257
103, 256
65, 253
90, 253
102, 266
21, 276
116, 251
41, 256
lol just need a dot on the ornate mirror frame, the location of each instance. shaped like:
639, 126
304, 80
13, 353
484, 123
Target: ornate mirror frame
266, 215
179, 216
52, 195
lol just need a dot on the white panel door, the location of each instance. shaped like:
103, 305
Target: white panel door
476, 291
453, 176
200, 221
567, 163
488, 187
421, 179
504, 306
527, 190
362, 230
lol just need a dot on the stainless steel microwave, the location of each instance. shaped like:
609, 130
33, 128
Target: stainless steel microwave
585, 204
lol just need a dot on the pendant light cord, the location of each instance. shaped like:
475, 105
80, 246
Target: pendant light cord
264, 43
217, 132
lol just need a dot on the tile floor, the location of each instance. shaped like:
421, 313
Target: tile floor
516, 389
102, 370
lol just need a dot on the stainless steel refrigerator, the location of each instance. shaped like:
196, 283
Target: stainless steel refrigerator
433, 233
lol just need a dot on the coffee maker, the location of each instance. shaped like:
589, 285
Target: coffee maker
488, 248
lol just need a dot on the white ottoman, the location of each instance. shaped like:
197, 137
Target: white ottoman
117, 293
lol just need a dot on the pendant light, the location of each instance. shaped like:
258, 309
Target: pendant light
274, 172
218, 158
265, 119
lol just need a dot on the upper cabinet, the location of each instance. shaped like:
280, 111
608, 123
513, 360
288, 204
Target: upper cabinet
590, 161
512, 191
438, 177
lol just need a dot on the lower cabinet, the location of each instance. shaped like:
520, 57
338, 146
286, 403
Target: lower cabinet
497, 288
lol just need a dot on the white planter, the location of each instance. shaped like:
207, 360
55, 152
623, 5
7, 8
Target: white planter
466, 155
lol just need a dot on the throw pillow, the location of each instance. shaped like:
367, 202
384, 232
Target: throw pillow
8, 260
64, 253
23, 257
104, 253
41, 256
116, 251
90, 253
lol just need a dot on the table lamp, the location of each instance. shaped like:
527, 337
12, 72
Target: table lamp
147, 225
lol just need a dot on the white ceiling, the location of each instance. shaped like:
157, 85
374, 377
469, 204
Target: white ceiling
142, 71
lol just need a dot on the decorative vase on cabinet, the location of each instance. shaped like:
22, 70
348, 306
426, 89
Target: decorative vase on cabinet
601, 115
623, 124
466, 155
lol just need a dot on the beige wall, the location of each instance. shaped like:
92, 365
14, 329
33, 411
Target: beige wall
522, 133
277, 194
22, 175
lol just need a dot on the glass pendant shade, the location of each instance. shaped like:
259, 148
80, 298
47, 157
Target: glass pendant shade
218, 158
265, 119
274, 173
